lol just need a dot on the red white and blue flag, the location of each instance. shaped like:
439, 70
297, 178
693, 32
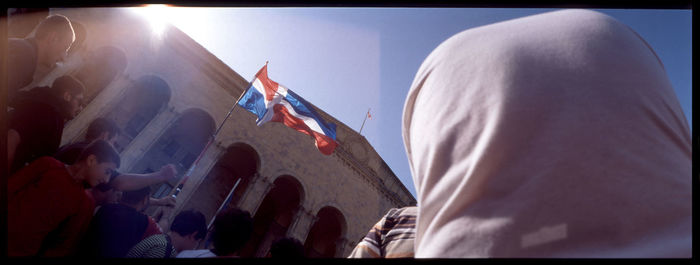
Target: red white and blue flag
271, 101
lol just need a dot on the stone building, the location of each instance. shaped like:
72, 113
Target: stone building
168, 95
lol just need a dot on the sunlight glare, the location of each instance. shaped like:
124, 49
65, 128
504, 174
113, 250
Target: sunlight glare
158, 17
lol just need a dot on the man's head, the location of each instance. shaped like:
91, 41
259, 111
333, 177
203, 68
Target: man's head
138, 199
71, 91
99, 159
103, 129
54, 36
232, 229
187, 229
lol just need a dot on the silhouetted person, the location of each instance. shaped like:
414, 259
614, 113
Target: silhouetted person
49, 45
48, 210
232, 229
107, 130
35, 125
186, 231
117, 227
392, 237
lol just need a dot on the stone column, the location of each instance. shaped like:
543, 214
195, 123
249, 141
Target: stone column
255, 193
302, 225
147, 138
298, 212
210, 157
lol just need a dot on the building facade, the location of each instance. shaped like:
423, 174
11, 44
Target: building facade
168, 95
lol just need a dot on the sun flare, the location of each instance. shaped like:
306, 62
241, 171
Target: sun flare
158, 16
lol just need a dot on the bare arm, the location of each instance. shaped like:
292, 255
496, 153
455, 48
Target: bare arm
165, 217
13, 140
127, 182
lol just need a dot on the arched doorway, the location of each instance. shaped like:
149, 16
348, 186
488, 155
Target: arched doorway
274, 216
325, 233
101, 66
140, 104
179, 145
240, 161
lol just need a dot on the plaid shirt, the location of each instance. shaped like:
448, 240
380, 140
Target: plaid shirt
155, 246
391, 237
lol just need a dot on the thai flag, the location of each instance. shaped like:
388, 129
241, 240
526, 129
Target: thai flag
271, 101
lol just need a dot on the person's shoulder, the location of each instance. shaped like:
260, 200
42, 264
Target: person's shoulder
36, 100
69, 153
49, 162
18, 45
110, 209
196, 253
405, 211
148, 247
156, 240
76, 145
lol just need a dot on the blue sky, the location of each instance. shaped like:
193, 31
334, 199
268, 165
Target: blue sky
346, 60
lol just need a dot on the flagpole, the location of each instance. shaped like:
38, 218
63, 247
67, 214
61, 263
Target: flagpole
182, 182
221, 207
363, 122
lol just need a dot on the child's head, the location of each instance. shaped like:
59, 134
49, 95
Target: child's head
138, 199
100, 159
104, 193
188, 228
232, 229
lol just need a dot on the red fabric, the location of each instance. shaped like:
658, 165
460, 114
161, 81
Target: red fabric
324, 143
268, 83
46, 206
152, 229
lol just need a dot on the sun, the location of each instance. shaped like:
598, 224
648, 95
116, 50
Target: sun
158, 16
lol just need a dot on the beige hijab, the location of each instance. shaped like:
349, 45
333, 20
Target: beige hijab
553, 135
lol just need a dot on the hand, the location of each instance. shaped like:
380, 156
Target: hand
167, 211
167, 201
165, 215
167, 172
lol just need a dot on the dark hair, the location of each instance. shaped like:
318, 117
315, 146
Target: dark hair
103, 187
135, 196
232, 229
102, 150
54, 23
188, 222
99, 126
68, 84
287, 247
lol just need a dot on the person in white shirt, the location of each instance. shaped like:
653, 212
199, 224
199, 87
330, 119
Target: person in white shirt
552, 135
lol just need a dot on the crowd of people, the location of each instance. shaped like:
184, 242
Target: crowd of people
553, 135
70, 200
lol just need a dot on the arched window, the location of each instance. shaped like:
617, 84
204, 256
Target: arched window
179, 145
240, 161
101, 66
274, 216
142, 101
323, 238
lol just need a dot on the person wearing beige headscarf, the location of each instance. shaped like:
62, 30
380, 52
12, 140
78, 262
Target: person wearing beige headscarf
553, 135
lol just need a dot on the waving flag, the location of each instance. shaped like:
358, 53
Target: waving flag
271, 101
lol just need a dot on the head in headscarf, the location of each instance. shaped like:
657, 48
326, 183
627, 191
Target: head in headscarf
553, 135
